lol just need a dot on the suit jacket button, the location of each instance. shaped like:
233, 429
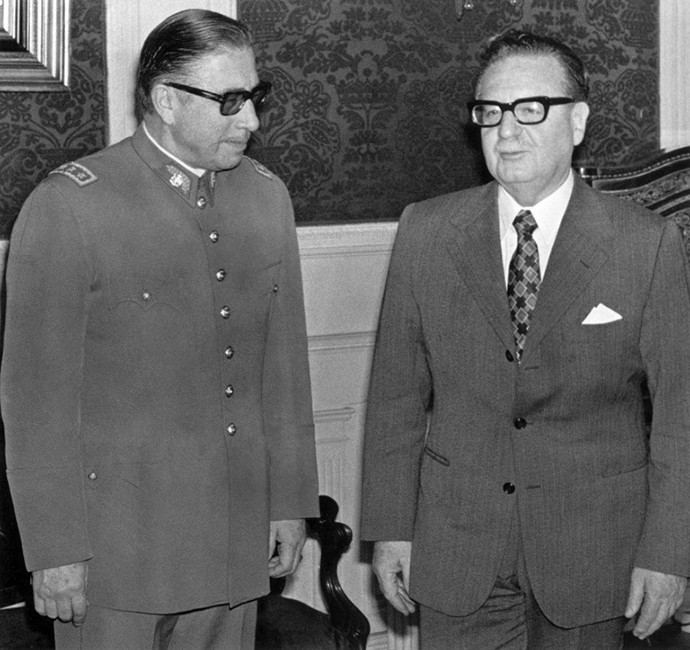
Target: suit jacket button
509, 356
520, 423
508, 488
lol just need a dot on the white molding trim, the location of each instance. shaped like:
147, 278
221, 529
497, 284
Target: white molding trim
674, 74
348, 341
346, 239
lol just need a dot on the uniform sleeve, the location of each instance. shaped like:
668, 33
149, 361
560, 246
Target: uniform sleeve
665, 344
398, 401
47, 286
287, 404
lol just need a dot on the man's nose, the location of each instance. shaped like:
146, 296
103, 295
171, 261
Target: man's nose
247, 117
508, 126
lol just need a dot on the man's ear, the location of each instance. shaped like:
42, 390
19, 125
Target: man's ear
578, 118
164, 102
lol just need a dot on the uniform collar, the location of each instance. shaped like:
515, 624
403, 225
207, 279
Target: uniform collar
196, 190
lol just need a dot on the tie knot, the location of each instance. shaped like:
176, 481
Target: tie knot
524, 222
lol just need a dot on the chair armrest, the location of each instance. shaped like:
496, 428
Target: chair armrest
335, 538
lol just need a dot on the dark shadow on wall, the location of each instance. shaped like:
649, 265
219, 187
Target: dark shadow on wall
368, 112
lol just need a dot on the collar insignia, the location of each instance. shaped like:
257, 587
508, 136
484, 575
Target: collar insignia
178, 179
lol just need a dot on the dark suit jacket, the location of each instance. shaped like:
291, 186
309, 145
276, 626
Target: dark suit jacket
565, 426
155, 384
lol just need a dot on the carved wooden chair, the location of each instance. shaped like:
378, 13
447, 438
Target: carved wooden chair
287, 624
661, 183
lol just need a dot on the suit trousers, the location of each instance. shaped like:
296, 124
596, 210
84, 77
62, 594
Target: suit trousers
511, 619
213, 628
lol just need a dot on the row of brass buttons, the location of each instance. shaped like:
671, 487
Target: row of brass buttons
221, 274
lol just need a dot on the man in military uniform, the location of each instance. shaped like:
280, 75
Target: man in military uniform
155, 385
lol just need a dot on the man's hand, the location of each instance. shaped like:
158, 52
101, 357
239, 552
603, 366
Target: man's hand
289, 535
391, 559
656, 596
61, 592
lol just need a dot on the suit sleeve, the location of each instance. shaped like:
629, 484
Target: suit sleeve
665, 345
398, 401
287, 408
47, 287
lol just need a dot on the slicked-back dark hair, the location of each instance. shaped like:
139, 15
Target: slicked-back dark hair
516, 42
172, 48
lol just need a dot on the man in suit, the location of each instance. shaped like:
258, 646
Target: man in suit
155, 384
509, 482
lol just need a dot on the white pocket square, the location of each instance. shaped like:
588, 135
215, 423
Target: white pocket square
601, 314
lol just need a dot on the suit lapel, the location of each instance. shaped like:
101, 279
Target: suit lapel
476, 252
577, 256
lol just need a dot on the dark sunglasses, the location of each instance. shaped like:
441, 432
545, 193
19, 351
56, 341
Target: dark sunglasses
231, 102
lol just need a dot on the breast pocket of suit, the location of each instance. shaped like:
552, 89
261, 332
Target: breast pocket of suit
612, 344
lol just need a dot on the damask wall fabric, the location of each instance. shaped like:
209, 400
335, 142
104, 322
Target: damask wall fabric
41, 130
368, 112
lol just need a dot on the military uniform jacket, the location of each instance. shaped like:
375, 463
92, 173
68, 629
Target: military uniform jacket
155, 384
460, 436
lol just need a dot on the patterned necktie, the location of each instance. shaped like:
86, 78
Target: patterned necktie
523, 278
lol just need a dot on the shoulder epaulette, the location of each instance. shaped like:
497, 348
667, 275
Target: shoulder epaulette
260, 168
77, 172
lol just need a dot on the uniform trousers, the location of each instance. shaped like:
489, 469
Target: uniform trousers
213, 628
511, 618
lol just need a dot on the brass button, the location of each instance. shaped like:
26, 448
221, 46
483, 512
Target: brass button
229, 390
275, 288
220, 275
232, 429
201, 203
214, 236
225, 312
229, 352
93, 476
146, 295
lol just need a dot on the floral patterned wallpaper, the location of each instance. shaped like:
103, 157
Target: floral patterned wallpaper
41, 130
368, 109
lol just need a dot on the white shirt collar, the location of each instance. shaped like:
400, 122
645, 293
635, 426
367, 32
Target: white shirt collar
548, 214
194, 170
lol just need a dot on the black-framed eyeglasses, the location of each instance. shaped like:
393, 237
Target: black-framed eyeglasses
231, 102
527, 110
